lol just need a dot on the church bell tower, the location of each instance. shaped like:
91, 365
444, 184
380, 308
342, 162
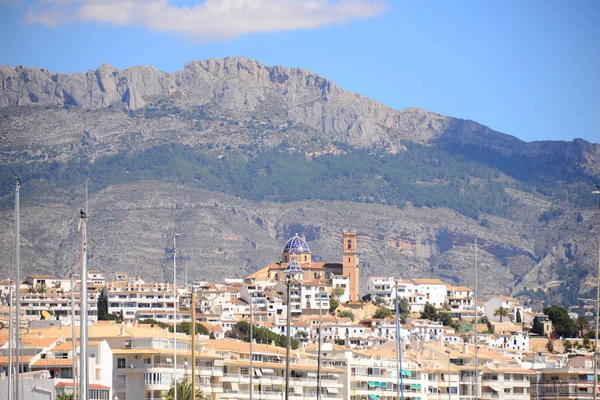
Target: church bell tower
350, 263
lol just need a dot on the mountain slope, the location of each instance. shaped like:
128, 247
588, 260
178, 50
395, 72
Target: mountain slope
283, 135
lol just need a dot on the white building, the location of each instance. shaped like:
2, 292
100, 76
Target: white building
140, 300
511, 304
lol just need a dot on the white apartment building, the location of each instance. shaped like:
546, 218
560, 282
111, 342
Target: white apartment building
418, 292
423, 329
58, 304
385, 328
139, 300
382, 287
294, 304
459, 298
434, 291
518, 341
48, 362
339, 282
310, 292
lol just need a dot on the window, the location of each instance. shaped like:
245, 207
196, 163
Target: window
349, 244
121, 363
120, 381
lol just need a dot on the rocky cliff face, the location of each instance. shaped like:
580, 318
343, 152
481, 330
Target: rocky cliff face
241, 86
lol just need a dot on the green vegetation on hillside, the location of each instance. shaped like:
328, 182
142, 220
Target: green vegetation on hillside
421, 175
551, 175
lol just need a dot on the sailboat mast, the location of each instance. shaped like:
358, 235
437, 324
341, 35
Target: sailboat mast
18, 283
476, 339
73, 337
10, 342
400, 378
83, 320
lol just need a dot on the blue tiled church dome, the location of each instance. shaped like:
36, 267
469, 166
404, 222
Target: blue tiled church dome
296, 245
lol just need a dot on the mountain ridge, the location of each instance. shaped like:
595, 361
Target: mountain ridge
363, 122
274, 130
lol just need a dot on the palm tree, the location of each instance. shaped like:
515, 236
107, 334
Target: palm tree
184, 391
501, 312
41, 288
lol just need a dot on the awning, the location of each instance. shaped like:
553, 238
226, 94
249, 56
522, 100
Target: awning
374, 397
377, 384
384, 385
371, 384
328, 383
268, 371
332, 390
406, 372
234, 386
257, 372
298, 389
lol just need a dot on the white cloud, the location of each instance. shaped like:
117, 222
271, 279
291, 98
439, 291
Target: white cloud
209, 20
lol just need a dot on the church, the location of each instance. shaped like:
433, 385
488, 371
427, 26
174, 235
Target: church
297, 249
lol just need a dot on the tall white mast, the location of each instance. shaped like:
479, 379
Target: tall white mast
18, 284
476, 338
73, 337
175, 315
400, 377
251, 349
10, 341
83, 320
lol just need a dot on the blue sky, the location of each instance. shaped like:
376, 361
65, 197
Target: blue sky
527, 68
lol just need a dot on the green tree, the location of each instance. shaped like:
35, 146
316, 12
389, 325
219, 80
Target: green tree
379, 300
212, 335
184, 391
186, 327
561, 321
152, 321
501, 312
333, 304
241, 331
338, 292
346, 314
430, 313
383, 312
447, 320
518, 317
102, 307
582, 324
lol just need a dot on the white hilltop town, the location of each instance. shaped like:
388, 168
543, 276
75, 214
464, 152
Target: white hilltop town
313, 336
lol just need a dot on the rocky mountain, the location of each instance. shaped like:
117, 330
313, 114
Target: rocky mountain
240, 155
